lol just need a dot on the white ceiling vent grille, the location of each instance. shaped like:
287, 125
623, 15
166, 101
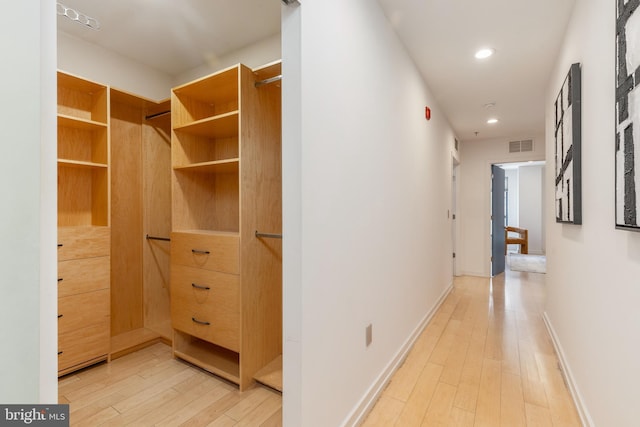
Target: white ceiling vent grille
521, 146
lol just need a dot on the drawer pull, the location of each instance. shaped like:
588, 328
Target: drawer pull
206, 288
200, 322
60, 245
59, 316
60, 352
200, 252
59, 279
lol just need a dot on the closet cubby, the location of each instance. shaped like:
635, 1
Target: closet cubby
141, 206
83, 152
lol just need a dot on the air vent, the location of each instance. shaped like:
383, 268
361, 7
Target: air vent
521, 146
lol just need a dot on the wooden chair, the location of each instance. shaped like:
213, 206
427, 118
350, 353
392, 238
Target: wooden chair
522, 239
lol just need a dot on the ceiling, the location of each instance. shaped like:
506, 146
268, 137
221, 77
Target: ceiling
441, 36
174, 36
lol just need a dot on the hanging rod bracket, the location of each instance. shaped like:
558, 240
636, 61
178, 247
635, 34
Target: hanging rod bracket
291, 2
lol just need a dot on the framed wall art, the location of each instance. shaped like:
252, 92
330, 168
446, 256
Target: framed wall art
568, 165
627, 113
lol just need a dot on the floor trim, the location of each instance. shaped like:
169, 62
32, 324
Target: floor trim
568, 376
370, 398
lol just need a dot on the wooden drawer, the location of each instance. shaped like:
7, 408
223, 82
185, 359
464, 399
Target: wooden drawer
83, 242
83, 275
217, 252
211, 314
83, 345
82, 310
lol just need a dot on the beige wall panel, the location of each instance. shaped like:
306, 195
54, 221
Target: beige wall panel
156, 177
126, 214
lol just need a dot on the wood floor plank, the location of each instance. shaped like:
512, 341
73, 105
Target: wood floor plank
512, 413
439, 411
274, 420
537, 416
198, 404
223, 421
385, 412
488, 406
252, 399
214, 410
416, 406
262, 412
461, 418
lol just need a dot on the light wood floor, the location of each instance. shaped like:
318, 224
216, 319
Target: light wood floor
485, 359
150, 388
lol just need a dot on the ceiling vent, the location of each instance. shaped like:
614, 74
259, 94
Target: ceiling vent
521, 146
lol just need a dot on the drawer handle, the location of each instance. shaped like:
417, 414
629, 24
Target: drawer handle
59, 316
60, 352
60, 245
200, 322
200, 252
206, 288
59, 279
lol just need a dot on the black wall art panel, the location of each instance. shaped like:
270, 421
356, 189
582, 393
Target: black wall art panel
627, 112
568, 166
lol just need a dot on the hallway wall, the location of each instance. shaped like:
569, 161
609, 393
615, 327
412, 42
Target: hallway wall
593, 285
28, 268
367, 189
474, 202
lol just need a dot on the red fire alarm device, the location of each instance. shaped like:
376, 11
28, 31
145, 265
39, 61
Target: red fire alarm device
427, 113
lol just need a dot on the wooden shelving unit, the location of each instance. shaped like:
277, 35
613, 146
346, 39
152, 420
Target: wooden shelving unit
226, 292
83, 223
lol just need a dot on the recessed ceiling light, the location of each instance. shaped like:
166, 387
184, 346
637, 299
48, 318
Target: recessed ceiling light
492, 121
485, 53
489, 105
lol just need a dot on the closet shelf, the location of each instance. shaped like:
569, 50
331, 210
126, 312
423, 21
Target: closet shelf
219, 126
81, 164
79, 123
217, 166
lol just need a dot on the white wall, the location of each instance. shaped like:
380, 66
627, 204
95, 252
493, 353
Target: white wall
254, 55
474, 206
96, 63
28, 295
367, 238
530, 209
593, 270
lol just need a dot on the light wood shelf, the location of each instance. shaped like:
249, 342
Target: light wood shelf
216, 166
220, 126
80, 164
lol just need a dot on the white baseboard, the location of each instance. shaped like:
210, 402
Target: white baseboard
568, 376
364, 406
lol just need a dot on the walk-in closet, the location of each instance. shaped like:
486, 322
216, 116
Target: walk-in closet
169, 206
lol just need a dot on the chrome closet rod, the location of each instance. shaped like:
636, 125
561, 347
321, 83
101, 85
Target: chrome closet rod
165, 239
268, 235
267, 81
153, 116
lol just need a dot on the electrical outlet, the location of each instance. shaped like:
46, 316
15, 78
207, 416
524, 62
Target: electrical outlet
369, 334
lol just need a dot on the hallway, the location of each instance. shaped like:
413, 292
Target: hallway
485, 359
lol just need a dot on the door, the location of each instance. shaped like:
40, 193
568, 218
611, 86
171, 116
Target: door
497, 220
